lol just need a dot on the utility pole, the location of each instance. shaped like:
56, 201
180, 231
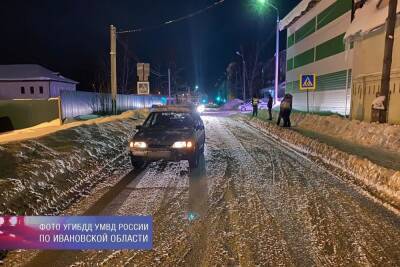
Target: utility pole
113, 55
277, 56
387, 58
244, 80
169, 82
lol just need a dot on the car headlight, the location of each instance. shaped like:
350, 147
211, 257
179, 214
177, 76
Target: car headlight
182, 144
138, 145
201, 108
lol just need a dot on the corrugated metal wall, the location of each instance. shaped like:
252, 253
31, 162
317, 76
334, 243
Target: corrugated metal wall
329, 96
315, 46
76, 103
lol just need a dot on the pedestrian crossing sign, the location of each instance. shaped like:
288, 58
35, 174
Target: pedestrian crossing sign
308, 82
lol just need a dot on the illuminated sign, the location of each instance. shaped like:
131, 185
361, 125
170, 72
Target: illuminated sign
308, 82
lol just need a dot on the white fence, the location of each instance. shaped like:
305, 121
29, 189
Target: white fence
76, 103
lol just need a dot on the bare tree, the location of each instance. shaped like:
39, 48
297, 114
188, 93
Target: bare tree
232, 72
252, 54
100, 103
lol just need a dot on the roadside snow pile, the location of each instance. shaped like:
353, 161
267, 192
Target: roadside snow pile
43, 176
379, 181
363, 133
232, 104
54, 126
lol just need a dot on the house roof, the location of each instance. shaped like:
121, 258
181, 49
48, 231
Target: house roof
30, 72
370, 17
302, 8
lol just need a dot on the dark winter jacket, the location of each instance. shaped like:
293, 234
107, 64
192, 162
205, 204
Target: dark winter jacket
270, 102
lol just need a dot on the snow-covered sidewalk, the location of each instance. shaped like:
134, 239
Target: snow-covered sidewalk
376, 135
378, 180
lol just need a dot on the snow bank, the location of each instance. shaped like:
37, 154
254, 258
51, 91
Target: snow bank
379, 181
363, 133
232, 104
54, 126
45, 175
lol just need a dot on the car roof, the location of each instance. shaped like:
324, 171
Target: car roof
173, 108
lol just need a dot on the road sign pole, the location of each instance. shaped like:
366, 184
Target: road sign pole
113, 55
308, 106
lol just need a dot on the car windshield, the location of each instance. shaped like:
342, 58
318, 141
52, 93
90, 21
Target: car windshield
173, 120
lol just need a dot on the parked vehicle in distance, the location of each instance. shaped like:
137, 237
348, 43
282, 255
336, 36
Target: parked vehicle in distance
171, 133
247, 106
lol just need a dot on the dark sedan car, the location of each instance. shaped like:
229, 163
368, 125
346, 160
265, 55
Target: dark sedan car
171, 133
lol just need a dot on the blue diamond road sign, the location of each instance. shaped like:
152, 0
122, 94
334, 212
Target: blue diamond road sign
308, 82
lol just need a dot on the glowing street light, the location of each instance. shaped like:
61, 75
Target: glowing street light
244, 74
261, 4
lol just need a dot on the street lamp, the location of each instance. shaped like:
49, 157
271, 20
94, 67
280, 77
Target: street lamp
268, 3
244, 74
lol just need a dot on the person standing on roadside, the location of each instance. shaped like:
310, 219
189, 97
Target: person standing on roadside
285, 110
269, 105
254, 103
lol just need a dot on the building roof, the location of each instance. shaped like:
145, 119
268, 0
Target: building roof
370, 17
30, 72
302, 8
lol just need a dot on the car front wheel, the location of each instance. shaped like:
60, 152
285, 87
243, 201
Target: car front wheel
137, 163
194, 160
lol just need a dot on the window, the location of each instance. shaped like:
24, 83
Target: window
304, 58
289, 64
32, 90
22, 90
305, 31
290, 40
336, 10
41, 89
331, 47
174, 120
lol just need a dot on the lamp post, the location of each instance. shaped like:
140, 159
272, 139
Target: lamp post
244, 74
268, 3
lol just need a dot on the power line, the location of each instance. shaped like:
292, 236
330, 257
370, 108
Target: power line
191, 15
135, 58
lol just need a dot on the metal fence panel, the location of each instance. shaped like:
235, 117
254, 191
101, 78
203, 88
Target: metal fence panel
76, 103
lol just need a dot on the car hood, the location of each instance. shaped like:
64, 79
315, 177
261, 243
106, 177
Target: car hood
163, 136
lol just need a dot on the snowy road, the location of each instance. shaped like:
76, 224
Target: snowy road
253, 202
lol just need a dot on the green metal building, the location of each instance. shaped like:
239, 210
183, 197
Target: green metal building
315, 45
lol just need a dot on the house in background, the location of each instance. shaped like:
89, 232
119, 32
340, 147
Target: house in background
367, 33
30, 81
315, 45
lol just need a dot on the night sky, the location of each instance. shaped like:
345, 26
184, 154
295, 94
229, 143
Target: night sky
72, 36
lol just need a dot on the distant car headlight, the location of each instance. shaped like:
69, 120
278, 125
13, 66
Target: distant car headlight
182, 144
201, 108
138, 145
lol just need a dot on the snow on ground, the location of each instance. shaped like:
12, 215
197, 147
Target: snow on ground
254, 202
381, 182
369, 134
54, 126
232, 104
46, 174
